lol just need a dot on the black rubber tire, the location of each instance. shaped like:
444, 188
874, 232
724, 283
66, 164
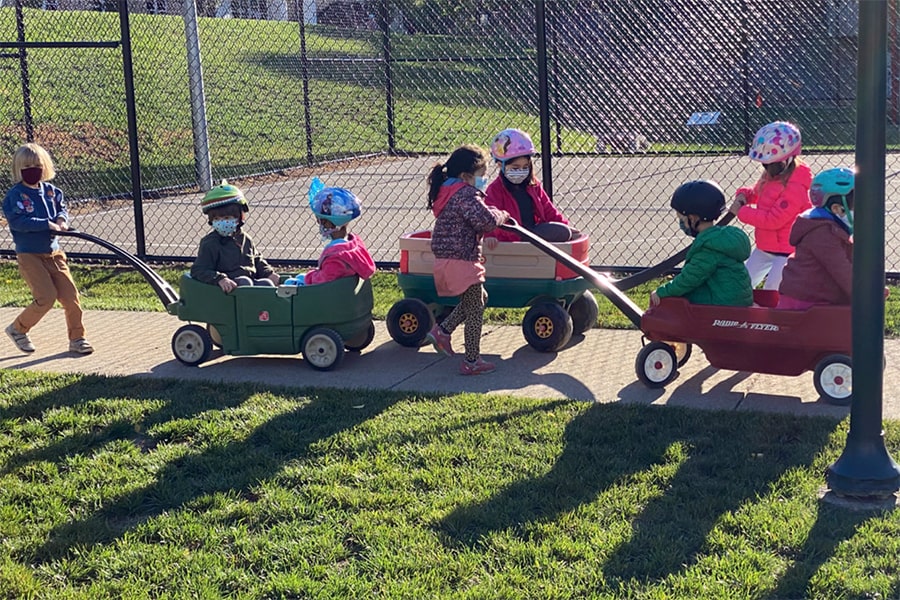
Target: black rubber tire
833, 379
191, 345
547, 327
656, 364
409, 321
360, 341
584, 312
323, 348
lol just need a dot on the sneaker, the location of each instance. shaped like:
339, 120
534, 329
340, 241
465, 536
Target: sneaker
81, 346
476, 368
440, 340
21, 340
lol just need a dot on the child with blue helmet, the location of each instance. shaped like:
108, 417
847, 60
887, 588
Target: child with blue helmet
345, 254
820, 271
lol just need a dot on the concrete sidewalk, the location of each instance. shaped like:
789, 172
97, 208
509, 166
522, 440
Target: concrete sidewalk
597, 367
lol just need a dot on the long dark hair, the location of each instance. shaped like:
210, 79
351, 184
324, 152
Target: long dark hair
465, 159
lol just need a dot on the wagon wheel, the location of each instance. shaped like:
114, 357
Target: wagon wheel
833, 379
584, 311
214, 335
191, 345
322, 348
656, 364
682, 352
361, 340
547, 327
409, 321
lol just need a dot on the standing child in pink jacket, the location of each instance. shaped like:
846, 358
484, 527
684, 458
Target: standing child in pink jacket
344, 255
773, 203
518, 192
456, 197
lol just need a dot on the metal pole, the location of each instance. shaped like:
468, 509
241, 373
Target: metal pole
554, 43
745, 60
137, 193
384, 25
202, 160
546, 144
23, 69
865, 469
304, 75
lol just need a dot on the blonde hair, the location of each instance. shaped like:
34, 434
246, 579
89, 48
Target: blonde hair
32, 155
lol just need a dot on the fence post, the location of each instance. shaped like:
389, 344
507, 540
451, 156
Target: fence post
23, 69
384, 21
137, 193
202, 161
544, 102
304, 75
865, 469
745, 68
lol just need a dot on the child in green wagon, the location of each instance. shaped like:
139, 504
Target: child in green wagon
227, 257
714, 271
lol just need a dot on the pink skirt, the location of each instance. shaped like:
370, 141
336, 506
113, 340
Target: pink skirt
452, 277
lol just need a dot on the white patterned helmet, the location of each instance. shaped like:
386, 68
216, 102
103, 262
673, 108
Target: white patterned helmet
775, 142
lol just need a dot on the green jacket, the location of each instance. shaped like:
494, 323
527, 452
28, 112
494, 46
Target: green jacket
714, 271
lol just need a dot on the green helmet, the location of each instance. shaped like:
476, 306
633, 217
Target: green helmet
831, 186
222, 195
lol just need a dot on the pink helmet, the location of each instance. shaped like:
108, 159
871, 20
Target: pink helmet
511, 143
775, 142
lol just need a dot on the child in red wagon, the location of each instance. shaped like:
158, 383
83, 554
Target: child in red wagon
344, 255
714, 271
456, 197
773, 203
519, 193
820, 271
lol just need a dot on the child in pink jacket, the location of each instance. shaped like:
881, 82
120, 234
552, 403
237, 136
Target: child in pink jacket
773, 203
519, 193
345, 255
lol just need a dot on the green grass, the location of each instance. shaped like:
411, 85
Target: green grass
123, 488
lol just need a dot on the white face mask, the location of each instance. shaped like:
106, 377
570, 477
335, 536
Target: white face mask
517, 176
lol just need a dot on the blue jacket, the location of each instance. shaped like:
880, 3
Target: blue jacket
29, 212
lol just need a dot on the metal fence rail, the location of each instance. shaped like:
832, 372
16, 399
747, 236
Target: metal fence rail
626, 100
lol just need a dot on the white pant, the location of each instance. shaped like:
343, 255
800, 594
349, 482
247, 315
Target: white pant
761, 263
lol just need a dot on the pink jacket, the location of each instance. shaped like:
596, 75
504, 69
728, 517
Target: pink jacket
342, 258
772, 207
544, 212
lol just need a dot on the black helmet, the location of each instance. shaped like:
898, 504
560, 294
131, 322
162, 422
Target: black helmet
703, 198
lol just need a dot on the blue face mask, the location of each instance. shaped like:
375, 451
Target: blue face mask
225, 227
481, 182
685, 228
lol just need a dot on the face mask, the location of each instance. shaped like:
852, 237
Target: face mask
481, 182
775, 169
847, 218
32, 175
686, 229
225, 227
325, 232
517, 176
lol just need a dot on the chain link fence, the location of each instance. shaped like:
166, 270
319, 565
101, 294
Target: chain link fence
144, 106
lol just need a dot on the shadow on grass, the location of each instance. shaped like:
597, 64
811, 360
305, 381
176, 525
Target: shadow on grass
608, 445
229, 466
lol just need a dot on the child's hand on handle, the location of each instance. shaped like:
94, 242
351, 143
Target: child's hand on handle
491, 242
227, 284
62, 224
54, 226
739, 201
275, 278
654, 299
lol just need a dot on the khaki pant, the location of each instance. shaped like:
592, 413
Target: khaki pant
49, 278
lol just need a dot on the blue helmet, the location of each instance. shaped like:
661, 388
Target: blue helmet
334, 204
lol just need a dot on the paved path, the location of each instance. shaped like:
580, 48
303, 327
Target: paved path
597, 367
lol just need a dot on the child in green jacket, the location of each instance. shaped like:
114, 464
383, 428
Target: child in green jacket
714, 271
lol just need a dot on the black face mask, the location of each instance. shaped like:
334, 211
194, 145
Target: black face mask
32, 175
775, 169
